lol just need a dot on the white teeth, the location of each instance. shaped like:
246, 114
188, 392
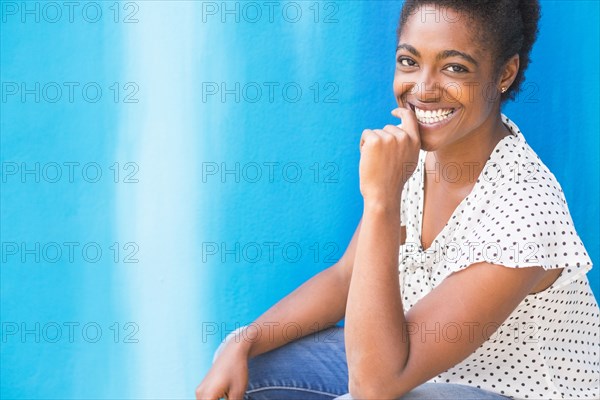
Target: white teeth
433, 116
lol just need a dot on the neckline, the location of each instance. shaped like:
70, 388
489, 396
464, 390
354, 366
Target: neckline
421, 212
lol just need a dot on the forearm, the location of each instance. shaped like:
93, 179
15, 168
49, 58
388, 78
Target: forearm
376, 340
315, 305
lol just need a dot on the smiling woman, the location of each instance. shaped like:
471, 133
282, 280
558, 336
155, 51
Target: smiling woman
465, 278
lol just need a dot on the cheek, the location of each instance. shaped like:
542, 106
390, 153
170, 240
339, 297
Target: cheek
483, 95
400, 86
454, 92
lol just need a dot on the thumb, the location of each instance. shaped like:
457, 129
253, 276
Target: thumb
409, 121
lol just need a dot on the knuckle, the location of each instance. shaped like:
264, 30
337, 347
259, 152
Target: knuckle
376, 140
388, 138
202, 393
403, 135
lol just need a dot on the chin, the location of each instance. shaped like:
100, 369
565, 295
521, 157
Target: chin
428, 145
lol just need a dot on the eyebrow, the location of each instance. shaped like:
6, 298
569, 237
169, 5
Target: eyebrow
441, 55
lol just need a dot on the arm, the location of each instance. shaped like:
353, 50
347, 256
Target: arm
375, 322
315, 305
318, 303
385, 359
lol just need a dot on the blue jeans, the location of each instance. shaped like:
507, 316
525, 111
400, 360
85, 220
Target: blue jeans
314, 368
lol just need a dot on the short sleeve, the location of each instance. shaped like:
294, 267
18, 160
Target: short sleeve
522, 224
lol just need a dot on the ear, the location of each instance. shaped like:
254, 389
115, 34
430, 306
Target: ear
508, 72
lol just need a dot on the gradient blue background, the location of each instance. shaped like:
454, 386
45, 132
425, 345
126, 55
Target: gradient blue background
183, 299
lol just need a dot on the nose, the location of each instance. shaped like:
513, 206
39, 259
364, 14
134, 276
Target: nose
427, 87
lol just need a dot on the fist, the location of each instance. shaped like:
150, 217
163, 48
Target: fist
388, 157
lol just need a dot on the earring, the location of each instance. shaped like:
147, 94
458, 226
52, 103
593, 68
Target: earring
504, 89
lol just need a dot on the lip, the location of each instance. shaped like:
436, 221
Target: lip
432, 107
428, 107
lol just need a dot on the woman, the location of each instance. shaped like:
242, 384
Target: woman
490, 299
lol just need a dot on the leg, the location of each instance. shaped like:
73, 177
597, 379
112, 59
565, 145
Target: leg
444, 391
310, 368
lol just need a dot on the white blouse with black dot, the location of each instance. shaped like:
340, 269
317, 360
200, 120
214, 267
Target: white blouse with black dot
516, 215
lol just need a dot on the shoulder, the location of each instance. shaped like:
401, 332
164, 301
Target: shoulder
515, 171
518, 215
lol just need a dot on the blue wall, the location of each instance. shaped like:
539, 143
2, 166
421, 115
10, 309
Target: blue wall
219, 206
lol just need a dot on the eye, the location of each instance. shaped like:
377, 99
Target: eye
456, 68
406, 61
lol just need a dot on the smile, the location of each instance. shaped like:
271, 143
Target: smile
433, 117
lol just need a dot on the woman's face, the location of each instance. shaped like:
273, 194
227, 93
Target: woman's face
444, 75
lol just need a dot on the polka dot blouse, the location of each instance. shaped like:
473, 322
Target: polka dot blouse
516, 215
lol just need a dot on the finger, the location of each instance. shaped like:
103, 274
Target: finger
236, 393
409, 121
395, 130
200, 393
391, 133
368, 135
208, 394
385, 136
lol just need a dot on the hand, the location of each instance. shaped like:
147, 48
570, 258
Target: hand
388, 158
228, 376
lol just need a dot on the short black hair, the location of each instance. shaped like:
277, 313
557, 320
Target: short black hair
508, 27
